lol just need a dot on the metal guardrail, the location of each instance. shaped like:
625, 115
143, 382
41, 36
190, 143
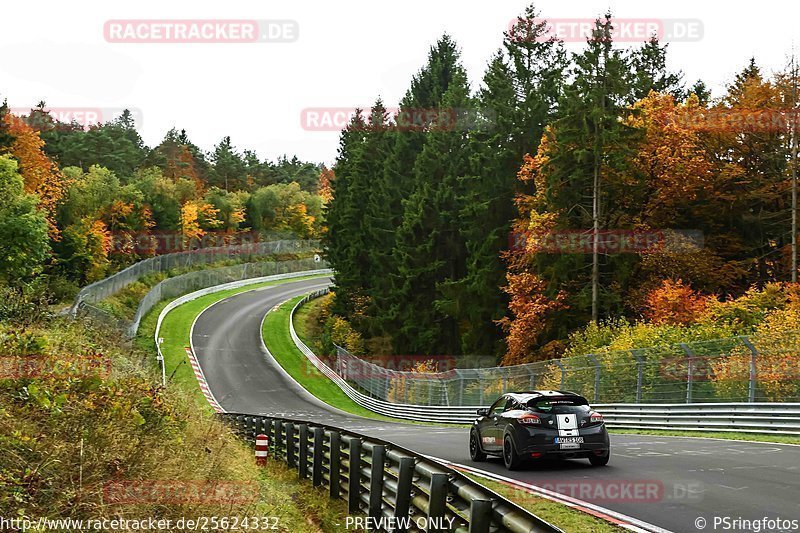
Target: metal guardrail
393, 486
767, 418
774, 418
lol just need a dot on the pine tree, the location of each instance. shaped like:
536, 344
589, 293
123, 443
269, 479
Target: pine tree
520, 90
430, 249
649, 64
583, 173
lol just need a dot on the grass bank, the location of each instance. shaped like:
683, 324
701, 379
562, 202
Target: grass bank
82, 412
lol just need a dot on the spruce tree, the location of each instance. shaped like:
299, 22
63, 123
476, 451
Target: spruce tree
520, 90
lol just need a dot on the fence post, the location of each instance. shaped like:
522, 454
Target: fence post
639, 374
405, 479
751, 386
594, 360
316, 466
376, 481
335, 464
437, 501
532, 381
480, 516
689, 371
560, 365
354, 477
302, 452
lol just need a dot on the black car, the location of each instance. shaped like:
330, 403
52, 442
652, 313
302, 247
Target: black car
539, 425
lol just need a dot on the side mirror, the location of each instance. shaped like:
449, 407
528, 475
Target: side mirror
483, 412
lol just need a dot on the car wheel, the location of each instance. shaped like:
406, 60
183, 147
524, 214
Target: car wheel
510, 457
475, 451
600, 460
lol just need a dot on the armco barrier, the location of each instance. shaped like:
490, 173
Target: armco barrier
389, 484
774, 418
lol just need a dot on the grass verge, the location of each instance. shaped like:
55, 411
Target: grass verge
275, 332
84, 419
558, 514
175, 331
749, 437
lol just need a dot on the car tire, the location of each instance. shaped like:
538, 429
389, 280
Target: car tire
600, 460
475, 451
510, 457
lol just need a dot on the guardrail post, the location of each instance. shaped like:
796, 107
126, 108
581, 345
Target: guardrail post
316, 466
480, 516
639, 374
335, 463
302, 452
405, 479
437, 499
751, 386
354, 477
376, 481
276, 426
689, 371
594, 360
289, 432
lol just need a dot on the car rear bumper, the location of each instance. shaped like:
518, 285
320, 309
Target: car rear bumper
542, 441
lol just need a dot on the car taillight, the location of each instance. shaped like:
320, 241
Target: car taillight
595, 418
530, 420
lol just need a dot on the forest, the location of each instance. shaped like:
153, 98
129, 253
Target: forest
80, 202
571, 201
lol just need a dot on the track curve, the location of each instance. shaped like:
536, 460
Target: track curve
678, 479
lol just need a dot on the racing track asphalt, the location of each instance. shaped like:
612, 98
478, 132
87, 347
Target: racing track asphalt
692, 477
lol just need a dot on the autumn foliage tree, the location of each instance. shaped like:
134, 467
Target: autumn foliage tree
674, 302
531, 309
40, 174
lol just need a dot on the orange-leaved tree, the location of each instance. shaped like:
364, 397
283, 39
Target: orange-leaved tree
40, 174
675, 302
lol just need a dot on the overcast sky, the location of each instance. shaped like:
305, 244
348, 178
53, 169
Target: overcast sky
347, 53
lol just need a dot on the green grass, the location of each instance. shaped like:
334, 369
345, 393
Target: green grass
750, 437
175, 331
67, 432
275, 332
558, 514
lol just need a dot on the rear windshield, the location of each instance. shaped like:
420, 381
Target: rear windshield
559, 405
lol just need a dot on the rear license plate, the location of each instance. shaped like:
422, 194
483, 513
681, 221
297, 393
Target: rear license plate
569, 440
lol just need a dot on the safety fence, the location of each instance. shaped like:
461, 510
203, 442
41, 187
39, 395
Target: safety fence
776, 418
85, 303
755, 368
102, 289
391, 485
